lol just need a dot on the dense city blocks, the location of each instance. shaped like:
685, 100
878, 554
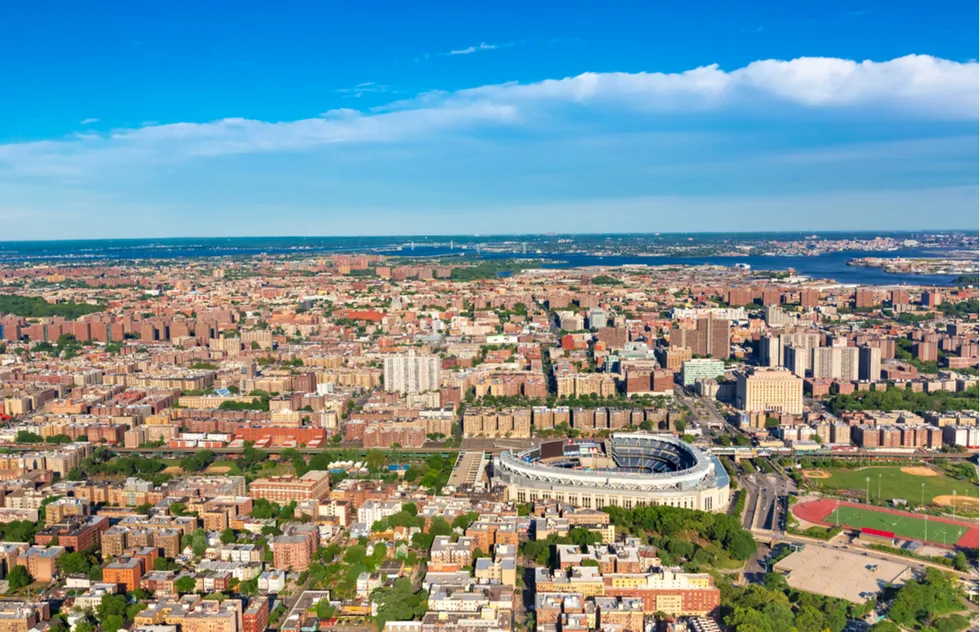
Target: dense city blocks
376, 441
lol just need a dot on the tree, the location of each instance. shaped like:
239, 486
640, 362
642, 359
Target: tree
185, 584
228, 536
324, 610
439, 526
74, 563
111, 605
164, 564
177, 508
399, 603
24, 436
464, 521
18, 577
375, 459
197, 541
583, 537
113, 623
775, 581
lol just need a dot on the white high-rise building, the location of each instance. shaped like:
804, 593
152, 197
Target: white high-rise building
412, 373
869, 363
835, 362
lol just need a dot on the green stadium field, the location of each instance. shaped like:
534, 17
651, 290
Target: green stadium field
905, 527
894, 484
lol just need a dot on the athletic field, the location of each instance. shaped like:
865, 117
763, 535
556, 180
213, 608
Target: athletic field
894, 484
905, 525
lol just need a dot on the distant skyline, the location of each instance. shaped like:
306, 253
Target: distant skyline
175, 119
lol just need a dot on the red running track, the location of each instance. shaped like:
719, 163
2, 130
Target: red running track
816, 511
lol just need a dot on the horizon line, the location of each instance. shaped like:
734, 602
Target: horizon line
932, 231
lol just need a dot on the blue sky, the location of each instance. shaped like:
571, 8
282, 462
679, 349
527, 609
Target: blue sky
190, 118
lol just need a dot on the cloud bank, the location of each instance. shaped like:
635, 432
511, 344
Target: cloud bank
916, 87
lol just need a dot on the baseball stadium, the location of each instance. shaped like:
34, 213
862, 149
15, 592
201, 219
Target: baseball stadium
625, 470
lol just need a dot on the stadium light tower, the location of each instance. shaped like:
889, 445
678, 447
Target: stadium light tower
922, 498
867, 490
879, 486
926, 538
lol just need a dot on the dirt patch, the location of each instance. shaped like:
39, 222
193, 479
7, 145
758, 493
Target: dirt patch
919, 470
962, 502
815, 474
219, 469
173, 469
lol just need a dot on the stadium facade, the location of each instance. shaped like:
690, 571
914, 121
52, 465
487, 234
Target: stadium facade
626, 470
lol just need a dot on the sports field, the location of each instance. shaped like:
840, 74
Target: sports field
906, 527
894, 484
830, 512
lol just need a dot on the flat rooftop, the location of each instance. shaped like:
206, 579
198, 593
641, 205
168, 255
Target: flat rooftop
839, 573
469, 468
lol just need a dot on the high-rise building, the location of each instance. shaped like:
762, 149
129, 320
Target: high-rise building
710, 337
769, 390
926, 351
796, 359
412, 373
869, 363
776, 317
770, 351
865, 297
809, 297
835, 362
900, 297
772, 296
701, 369
931, 299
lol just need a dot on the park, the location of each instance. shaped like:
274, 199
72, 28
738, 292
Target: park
914, 484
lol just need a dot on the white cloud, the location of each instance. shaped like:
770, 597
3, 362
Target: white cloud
367, 87
918, 85
469, 50
913, 87
89, 121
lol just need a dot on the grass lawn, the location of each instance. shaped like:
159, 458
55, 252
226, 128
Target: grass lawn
233, 469
908, 527
894, 484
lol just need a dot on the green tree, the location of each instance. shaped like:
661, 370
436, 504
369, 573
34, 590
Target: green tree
113, 623
228, 536
399, 603
185, 584
111, 605
74, 563
439, 526
18, 577
24, 436
324, 610
464, 521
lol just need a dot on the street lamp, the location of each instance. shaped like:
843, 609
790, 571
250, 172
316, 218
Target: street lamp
954, 502
867, 490
926, 538
879, 486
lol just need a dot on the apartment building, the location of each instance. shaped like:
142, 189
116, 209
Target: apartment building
314, 485
769, 390
411, 373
